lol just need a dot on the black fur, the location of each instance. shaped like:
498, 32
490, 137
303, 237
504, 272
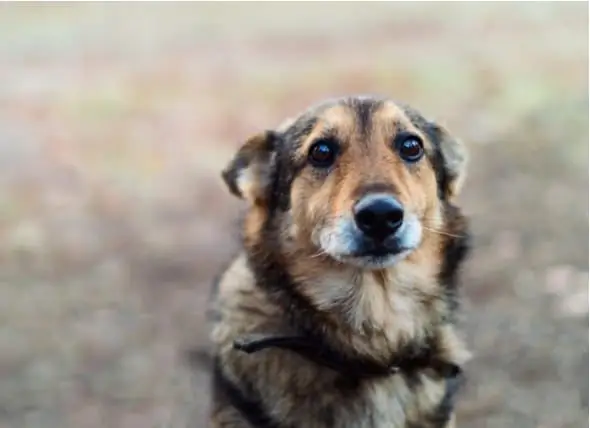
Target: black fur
456, 250
285, 167
364, 109
447, 404
246, 402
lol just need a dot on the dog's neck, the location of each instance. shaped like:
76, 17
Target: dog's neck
351, 328
395, 304
352, 368
351, 358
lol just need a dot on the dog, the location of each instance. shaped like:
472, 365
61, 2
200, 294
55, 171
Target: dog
340, 309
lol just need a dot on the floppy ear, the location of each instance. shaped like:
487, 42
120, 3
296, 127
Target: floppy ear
248, 174
453, 160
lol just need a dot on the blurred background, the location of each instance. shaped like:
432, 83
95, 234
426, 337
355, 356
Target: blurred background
116, 119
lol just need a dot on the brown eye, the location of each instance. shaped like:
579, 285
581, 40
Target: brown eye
322, 153
410, 149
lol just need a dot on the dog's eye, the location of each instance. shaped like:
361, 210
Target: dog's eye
410, 149
322, 153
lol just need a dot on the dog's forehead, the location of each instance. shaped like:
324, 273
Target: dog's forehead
359, 113
345, 117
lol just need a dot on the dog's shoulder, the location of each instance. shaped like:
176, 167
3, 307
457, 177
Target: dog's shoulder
234, 276
238, 305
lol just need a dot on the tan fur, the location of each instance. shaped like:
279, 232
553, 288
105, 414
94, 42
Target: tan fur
369, 313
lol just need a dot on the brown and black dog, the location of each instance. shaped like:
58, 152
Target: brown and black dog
339, 310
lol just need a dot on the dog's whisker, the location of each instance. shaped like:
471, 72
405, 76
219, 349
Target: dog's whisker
320, 253
441, 232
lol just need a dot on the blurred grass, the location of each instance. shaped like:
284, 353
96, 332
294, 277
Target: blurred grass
115, 120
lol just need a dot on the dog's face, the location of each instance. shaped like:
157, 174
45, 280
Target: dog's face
361, 180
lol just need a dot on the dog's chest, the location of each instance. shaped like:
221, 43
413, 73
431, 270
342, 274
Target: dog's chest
387, 403
378, 405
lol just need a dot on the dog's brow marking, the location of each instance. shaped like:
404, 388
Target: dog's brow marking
338, 118
363, 110
391, 117
300, 130
322, 129
307, 127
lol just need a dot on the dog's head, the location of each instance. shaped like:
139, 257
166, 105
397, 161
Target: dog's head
360, 180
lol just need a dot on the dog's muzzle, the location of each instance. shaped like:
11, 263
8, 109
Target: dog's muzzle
377, 232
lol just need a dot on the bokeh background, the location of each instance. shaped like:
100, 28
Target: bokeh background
116, 119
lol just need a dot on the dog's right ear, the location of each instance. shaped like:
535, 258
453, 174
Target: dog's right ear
249, 173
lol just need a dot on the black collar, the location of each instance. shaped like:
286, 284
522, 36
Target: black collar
351, 367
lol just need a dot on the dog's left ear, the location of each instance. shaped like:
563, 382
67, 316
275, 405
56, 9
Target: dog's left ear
248, 174
453, 160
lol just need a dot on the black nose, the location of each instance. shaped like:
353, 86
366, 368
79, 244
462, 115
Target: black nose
378, 216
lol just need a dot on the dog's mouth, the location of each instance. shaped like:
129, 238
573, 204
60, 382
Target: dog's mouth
380, 249
346, 244
377, 257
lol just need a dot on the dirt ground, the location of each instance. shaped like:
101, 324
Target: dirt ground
116, 118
